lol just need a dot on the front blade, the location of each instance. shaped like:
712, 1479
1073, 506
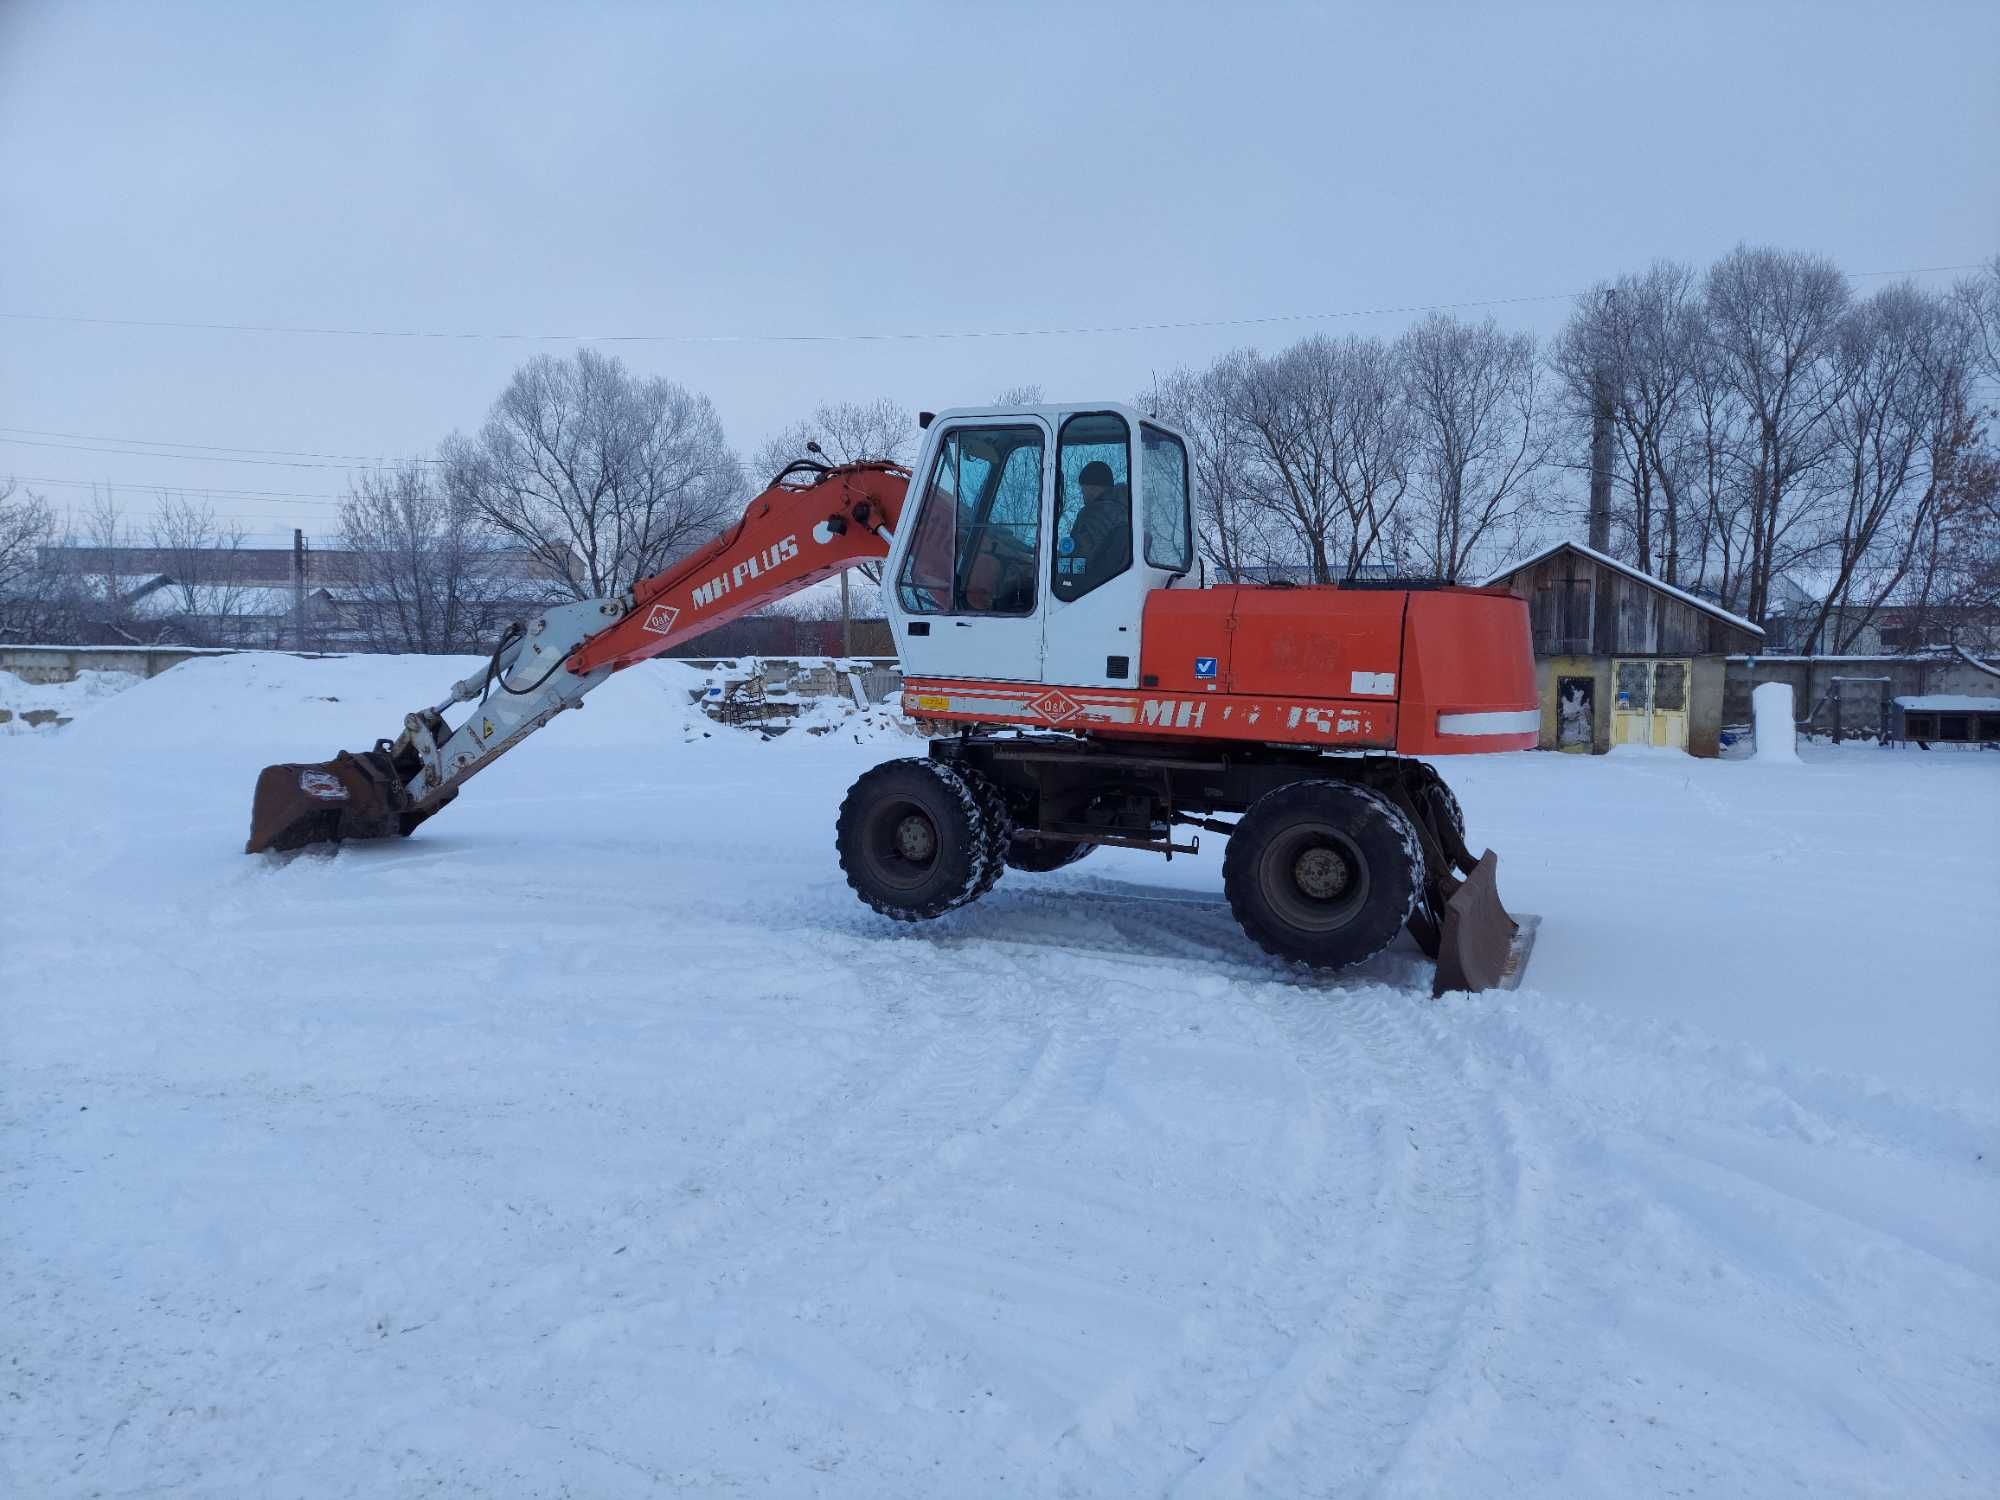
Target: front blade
348, 797
1481, 947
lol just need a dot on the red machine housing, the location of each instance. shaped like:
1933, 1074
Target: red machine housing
1442, 671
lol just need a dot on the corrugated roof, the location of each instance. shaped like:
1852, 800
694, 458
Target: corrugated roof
1630, 572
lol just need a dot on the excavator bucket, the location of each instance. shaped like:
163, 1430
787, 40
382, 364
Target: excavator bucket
349, 797
1480, 947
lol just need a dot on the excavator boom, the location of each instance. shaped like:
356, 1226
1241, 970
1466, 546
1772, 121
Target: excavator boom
811, 522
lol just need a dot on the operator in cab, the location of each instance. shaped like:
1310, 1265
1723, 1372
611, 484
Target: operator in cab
1102, 530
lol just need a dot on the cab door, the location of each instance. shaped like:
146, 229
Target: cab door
967, 589
1118, 531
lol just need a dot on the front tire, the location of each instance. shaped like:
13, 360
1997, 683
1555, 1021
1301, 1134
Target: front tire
914, 839
1323, 872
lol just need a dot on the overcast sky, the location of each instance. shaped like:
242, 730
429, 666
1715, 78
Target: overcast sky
736, 172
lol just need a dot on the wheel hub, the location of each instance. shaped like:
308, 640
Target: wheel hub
1321, 873
916, 840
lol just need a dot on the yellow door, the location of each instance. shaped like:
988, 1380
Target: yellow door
1650, 704
1670, 704
1631, 703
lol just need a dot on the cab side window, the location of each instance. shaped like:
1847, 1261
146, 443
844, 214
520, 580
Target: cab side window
1169, 532
1093, 503
976, 547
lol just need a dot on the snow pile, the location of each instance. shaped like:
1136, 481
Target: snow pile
32, 707
837, 718
1777, 734
314, 706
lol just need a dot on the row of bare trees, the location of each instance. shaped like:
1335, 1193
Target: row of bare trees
1422, 454
1772, 428
589, 474
70, 576
1765, 425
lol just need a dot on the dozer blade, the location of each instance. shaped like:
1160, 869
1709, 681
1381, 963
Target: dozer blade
348, 797
1481, 947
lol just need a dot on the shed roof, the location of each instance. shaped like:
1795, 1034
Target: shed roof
1694, 600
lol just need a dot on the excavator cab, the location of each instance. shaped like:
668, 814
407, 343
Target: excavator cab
1036, 535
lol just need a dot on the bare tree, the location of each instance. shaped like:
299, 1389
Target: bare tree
1203, 405
105, 592
1901, 365
1774, 318
27, 581
1979, 299
602, 476
1328, 438
425, 573
1020, 395
26, 523
847, 432
200, 556
1480, 440
1640, 341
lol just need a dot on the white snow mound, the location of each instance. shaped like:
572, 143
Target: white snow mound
1777, 733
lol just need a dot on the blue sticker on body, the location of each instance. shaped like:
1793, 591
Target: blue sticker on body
1204, 666
1066, 545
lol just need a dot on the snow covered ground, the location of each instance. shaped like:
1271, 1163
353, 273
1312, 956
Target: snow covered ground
596, 1141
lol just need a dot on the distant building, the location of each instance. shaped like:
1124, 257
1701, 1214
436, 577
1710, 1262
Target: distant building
244, 596
1622, 658
1894, 628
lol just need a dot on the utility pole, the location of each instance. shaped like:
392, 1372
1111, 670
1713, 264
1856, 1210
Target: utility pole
298, 589
1600, 445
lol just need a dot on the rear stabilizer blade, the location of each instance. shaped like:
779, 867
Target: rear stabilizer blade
1481, 947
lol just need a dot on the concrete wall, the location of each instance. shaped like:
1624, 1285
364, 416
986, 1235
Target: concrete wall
62, 663
1857, 700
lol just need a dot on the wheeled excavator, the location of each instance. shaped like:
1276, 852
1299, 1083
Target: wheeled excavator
1084, 684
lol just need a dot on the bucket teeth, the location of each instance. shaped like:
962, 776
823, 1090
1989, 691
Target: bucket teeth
348, 797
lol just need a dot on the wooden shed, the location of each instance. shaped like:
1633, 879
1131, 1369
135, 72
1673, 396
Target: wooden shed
1622, 658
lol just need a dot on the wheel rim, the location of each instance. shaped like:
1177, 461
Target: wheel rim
1314, 877
903, 843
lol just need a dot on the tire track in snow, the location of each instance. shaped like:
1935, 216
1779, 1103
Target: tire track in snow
1356, 1381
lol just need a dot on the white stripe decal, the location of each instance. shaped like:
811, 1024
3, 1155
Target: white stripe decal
1527, 721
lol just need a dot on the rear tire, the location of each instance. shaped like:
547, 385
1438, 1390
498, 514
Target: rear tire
1323, 872
915, 839
1445, 799
1026, 852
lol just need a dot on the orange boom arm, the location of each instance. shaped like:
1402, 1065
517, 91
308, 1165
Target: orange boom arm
789, 538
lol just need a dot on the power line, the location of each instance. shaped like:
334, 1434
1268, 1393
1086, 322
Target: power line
98, 437
203, 458
303, 497
1052, 331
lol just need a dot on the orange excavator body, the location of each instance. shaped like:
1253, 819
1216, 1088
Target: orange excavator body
1425, 671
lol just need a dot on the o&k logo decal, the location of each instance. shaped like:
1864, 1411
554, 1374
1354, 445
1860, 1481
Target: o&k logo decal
1055, 706
661, 619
